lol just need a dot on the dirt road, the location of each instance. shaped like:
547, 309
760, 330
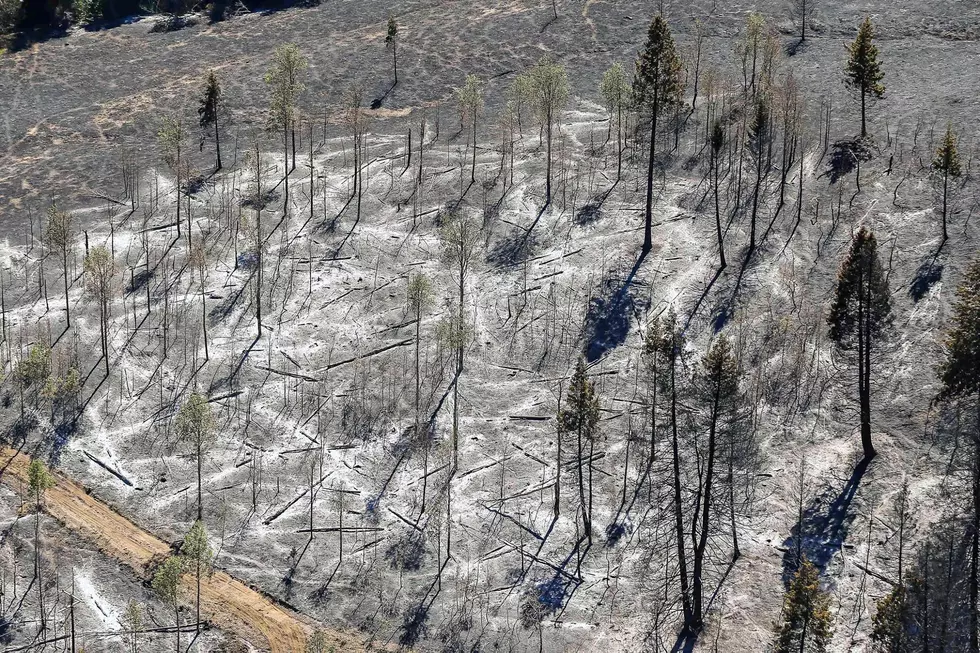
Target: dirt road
226, 602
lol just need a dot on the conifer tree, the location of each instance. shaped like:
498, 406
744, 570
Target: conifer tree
391, 41
959, 374
100, 270
39, 481
196, 549
208, 112
549, 95
285, 82
317, 642
719, 379
618, 97
947, 163
890, 624
657, 88
132, 621
59, 236
580, 417
469, 99
419, 298
860, 317
863, 70
195, 422
807, 622
171, 140
166, 584
664, 344
717, 142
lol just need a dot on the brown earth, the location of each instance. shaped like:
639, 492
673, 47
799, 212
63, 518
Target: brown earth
225, 601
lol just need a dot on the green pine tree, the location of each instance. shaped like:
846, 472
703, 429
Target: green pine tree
166, 584
195, 422
959, 374
860, 316
580, 417
208, 112
863, 70
890, 625
658, 88
807, 622
947, 163
196, 549
391, 41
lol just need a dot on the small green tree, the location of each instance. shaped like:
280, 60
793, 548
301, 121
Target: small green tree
959, 374
807, 622
59, 236
132, 622
890, 624
947, 164
391, 41
863, 70
166, 584
285, 81
39, 481
618, 97
171, 140
209, 111
100, 270
195, 422
861, 316
196, 549
549, 95
469, 99
658, 88
580, 417
318, 642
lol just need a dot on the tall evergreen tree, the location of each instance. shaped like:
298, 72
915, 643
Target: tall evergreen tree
959, 374
208, 112
860, 317
391, 41
59, 236
549, 95
285, 81
195, 422
863, 70
658, 88
196, 549
807, 622
664, 344
719, 379
580, 418
166, 584
618, 97
469, 99
947, 164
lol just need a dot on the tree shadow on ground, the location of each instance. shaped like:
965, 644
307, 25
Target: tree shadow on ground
824, 526
845, 156
930, 273
607, 322
592, 211
512, 250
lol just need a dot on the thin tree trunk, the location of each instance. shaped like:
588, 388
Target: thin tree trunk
705, 510
217, 142
678, 511
648, 225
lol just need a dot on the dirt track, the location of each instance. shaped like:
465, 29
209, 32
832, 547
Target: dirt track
226, 602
